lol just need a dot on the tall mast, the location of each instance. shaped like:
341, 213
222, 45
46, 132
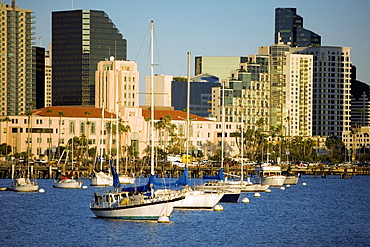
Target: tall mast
223, 124
242, 144
117, 123
187, 113
152, 96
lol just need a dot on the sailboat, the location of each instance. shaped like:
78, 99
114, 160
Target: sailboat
101, 178
142, 204
24, 183
67, 182
218, 183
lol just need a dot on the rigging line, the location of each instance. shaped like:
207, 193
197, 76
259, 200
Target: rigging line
158, 53
142, 43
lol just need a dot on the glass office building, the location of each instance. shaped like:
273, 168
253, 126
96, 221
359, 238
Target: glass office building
80, 39
289, 29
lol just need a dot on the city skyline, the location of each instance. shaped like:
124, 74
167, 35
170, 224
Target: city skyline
214, 28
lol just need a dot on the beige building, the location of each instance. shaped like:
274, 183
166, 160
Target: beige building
48, 77
117, 84
17, 93
53, 126
162, 90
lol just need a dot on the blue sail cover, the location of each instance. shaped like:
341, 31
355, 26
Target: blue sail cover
182, 181
116, 183
219, 176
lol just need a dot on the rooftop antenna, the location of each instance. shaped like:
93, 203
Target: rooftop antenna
72, 4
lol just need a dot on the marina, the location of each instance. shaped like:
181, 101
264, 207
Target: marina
164, 169
324, 212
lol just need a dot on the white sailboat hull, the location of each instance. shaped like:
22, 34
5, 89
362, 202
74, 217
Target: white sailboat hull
199, 200
101, 179
292, 180
24, 185
67, 184
145, 211
104, 179
273, 181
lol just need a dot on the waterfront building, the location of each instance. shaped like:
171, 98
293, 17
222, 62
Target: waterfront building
331, 89
273, 89
116, 75
291, 84
200, 93
217, 66
80, 39
247, 93
162, 90
18, 92
289, 29
50, 127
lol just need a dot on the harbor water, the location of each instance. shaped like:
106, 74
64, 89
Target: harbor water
324, 212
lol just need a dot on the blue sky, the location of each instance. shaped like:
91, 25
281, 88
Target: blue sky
215, 28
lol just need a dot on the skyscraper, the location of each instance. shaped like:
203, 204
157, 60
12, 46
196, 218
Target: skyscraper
80, 39
331, 89
289, 29
17, 85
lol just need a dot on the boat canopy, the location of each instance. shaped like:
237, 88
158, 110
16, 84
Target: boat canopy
219, 176
181, 181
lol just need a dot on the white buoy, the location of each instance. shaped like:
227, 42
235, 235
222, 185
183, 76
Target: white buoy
282, 188
304, 183
245, 200
218, 207
288, 185
163, 219
41, 191
257, 194
84, 187
268, 191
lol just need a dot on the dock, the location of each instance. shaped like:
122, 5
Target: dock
164, 169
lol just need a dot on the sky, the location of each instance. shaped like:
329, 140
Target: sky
214, 27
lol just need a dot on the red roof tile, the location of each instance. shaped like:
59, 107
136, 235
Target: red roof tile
73, 111
176, 115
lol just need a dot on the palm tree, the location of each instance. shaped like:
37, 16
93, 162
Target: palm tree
60, 114
124, 129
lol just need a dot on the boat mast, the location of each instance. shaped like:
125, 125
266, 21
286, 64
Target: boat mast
117, 122
152, 96
188, 113
101, 138
223, 125
242, 144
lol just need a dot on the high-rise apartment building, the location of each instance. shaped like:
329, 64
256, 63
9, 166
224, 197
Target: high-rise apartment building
80, 39
48, 80
291, 83
17, 89
289, 29
217, 66
114, 79
246, 95
331, 89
